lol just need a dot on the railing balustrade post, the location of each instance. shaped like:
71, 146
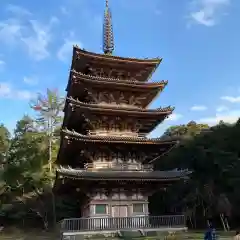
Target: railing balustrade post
118, 223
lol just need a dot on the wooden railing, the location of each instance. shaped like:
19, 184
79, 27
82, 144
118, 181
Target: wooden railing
117, 166
116, 133
118, 223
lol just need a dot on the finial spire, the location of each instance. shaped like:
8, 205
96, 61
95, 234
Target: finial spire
108, 44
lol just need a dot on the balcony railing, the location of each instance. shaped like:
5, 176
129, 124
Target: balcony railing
116, 133
119, 223
117, 166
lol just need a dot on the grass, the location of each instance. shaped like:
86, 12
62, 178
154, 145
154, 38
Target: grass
195, 235
17, 234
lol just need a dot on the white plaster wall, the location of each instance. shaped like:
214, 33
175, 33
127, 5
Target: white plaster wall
115, 199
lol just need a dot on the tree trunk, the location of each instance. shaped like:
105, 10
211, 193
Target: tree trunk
223, 222
54, 209
50, 144
191, 222
226, 222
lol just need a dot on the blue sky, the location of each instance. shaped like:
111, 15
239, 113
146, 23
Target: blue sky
198, 40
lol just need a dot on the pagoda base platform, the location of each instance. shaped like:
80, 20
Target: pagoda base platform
122, 227
133, 233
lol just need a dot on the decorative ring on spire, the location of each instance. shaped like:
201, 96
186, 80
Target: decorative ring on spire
108, 41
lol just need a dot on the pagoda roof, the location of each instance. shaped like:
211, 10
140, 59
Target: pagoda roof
78, 84
116, 139
120, 108
83, 53
116, 81
123, 175
147, 118
82, 58
154, 148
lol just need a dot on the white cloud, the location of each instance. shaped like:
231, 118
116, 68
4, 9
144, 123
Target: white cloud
64, 52
208, 12
222, 108
32, 34
8, 91
228, 117
10, 31
30, 80
231, 99
174, 117
37, 43
198, 108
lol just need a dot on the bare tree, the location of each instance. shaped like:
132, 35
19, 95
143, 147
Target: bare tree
224, 209
49, 108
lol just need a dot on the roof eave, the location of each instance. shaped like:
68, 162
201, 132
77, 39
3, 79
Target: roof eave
117, 81
98, 107
152, 61
133, 140
140, 179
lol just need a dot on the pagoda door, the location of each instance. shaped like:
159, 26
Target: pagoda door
119, 214
119, 211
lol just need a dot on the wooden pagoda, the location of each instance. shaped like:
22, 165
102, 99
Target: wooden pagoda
105, 154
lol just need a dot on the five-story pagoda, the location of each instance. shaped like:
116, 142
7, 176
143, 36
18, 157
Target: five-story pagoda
105, 155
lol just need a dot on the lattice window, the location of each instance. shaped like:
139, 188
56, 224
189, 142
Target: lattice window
101, 209
138, 208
